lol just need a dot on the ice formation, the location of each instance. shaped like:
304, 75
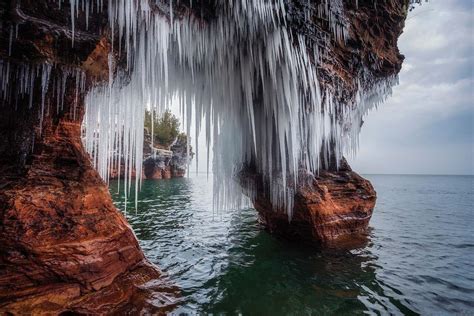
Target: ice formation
19, 80
248, 82
243, 77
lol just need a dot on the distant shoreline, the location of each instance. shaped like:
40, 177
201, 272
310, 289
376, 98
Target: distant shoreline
417, 174
193, 172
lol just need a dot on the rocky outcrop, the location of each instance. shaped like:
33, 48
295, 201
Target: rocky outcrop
336, 204
167, 164
64, 247
330, 209
159, 163
158, 166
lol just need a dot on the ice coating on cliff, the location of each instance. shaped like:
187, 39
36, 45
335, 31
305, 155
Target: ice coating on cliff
248, 82
243, 77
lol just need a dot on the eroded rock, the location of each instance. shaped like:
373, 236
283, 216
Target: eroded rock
331, 209
64, 247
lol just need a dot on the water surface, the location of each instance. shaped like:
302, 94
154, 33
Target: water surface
418, 258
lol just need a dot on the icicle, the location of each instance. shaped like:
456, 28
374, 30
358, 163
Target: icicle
18, 81
73, 19
254, 83
10, 41
46, 70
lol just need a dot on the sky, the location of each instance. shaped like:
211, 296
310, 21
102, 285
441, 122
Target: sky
427, 126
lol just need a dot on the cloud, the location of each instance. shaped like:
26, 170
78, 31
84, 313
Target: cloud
427, 125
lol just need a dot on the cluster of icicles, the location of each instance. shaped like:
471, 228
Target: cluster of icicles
243, 78
18, 81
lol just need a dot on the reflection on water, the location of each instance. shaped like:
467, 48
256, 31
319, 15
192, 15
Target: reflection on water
418, 259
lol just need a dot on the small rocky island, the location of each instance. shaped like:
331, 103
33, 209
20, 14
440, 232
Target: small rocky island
167, 163
166, 153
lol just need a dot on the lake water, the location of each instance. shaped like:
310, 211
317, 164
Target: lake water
418, 259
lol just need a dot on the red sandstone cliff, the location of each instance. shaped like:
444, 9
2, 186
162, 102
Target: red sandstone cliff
64, 247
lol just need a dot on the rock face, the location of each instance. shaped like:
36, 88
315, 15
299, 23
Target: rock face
160, 163
158, 166
64, 247
331, 209
167, 164
337, 204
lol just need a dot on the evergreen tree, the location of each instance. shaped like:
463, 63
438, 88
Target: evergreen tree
165, 129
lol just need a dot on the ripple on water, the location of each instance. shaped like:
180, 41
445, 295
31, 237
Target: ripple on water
418, 259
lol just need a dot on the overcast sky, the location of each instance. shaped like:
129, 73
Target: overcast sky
426, 127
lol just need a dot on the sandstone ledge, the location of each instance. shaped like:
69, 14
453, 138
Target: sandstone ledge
331, 209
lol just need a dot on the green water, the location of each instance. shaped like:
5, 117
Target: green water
417, 260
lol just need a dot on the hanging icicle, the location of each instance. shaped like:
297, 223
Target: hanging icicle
250, 80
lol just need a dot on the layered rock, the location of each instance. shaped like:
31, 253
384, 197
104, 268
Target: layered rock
336, 204
330, 209
64, 247
167, 164
159, 163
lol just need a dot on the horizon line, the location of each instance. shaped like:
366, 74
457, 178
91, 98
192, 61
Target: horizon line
374, 174
418, 174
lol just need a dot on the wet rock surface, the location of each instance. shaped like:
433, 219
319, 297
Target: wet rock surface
160, 163
64, 247
331, 209
336, 205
